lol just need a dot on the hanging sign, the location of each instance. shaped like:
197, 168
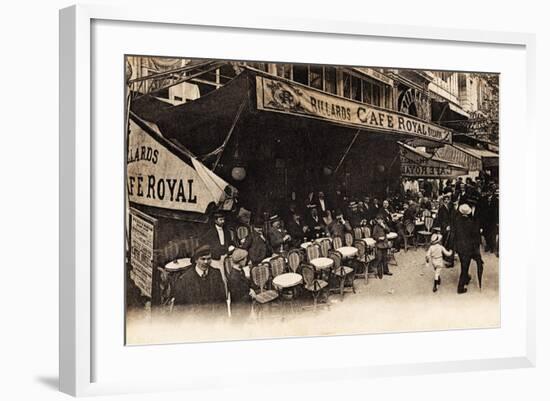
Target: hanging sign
291, 98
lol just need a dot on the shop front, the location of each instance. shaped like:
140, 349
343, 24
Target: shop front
277, 140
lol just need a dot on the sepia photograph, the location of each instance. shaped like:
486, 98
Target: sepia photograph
276, 200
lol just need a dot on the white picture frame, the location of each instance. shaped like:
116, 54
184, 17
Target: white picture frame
79, 346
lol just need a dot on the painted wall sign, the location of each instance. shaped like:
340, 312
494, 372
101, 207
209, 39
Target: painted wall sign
291, 98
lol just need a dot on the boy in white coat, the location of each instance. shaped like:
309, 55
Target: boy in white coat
434, 257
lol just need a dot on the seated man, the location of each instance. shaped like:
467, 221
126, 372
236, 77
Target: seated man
355, 217
338, 227
277, 237
296, 229
201, 284
257, 244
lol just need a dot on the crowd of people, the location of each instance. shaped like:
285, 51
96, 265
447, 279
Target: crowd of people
465, 210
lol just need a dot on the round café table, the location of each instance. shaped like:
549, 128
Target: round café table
391, 236
321, 263
287, 280
348, 251
178, 264
306, 244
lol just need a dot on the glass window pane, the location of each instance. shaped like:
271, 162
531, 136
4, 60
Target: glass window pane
356, 89
316, 76
376, 95
346, 78
299, 74
330, 79
367, 92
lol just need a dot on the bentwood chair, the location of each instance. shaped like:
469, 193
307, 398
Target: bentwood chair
260, 277
324, 247
294, 260
242, 233
427, 233
342, 275
348, 239
278, 266
337, 242
315, 259
311, 284
361, 260
410, 237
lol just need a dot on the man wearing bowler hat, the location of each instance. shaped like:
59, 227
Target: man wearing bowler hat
201, 284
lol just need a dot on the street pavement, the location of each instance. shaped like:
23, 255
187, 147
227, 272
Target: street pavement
399, 303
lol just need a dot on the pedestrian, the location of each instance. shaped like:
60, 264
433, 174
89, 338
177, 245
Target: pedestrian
467, 240
379, 233
201, 285
434, 257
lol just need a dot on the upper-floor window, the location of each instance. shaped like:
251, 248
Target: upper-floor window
366, 90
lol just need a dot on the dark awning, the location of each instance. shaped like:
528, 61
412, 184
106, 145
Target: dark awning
446, 112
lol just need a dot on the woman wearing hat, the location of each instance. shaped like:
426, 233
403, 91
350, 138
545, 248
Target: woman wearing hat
434, 257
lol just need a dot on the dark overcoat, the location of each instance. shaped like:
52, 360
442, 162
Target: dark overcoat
191, 289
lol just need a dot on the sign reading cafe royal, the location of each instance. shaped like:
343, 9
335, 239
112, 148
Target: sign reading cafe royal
285, 97
159, 178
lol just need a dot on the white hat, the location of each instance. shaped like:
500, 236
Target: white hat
436, 238
464, 209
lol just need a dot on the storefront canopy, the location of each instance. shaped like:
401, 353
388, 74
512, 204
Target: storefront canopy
445, 111
203, 124
473, 159
165, 176
418, 164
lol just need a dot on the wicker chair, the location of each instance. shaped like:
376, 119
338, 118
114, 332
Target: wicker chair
357, 233
348, 239
409, 235
278, 266
427, 233
315, 259
366, 231
361, 259
260, 277
325, 246
311, 284
337, 242
343, 275
294, 260
242, 233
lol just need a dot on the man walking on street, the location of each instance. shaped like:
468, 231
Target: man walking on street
467, 242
